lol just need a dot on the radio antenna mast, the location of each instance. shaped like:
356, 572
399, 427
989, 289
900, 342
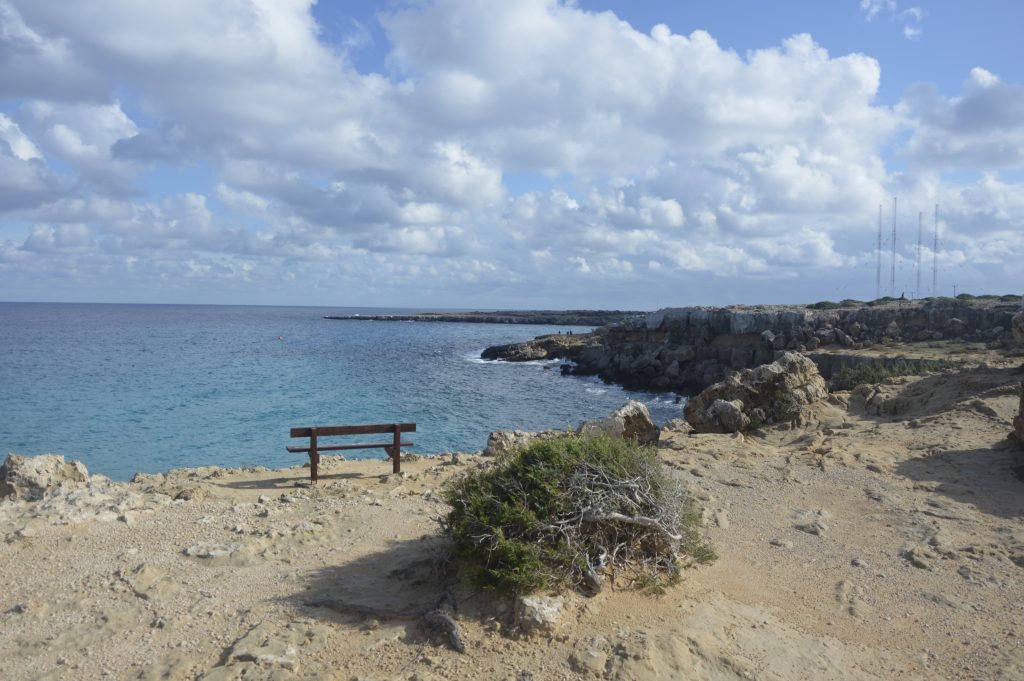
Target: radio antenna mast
878, 254
935, 255
921, 218
892, 276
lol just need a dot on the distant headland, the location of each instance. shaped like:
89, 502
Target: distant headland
553, 317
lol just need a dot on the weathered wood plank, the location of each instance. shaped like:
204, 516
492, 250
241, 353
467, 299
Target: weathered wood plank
361, 445
325, 431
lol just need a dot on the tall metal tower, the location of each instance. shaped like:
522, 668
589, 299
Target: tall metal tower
920, 222
878, 254
892, 276
935, 255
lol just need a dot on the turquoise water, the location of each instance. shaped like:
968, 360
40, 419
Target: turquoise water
128, 388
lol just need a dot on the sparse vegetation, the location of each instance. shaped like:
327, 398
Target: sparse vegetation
884, 300
824, 305
570, 510
850, 376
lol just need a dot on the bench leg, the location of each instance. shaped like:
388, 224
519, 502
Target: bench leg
314, 458
396, 452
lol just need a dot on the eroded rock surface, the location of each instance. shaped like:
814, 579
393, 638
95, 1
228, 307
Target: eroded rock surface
28, 478
772, 393
501, 442
631, 421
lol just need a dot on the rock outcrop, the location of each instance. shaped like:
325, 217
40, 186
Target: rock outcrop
501, 442
631, 421
28, 478
769, 394
685, 350
555, 346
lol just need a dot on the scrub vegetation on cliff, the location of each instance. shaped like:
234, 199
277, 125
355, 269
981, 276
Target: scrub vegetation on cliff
849, 377
570, 510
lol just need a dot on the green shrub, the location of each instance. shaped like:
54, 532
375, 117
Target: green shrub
882, 301
851, 302
566, 510
868, 373
824, 305
965, 296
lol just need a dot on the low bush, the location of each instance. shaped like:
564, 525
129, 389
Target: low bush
824, 305
852, 375
570, 510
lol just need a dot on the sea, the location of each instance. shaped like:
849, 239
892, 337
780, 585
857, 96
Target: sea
148, 388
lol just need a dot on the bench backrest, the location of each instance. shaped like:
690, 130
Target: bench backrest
326, 431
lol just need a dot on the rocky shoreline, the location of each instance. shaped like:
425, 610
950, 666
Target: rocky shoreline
869, 534
547, 317
685, 350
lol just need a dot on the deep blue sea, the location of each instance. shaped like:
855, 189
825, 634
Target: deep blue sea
128, 388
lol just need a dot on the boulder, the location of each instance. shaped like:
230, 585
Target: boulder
772, 393
28, 478
501, 442
730, 415
631, 421
539, 614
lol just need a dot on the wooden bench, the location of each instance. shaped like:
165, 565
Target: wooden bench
393, 448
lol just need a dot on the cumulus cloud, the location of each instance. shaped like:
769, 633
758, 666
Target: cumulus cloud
982, 128
665, 154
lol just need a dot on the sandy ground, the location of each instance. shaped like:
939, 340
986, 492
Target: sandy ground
883, 541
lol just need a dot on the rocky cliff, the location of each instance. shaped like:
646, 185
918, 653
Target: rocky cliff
1018, 421
688, 349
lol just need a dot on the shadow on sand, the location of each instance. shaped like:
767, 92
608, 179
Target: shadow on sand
987, 478
399, 584
284, 483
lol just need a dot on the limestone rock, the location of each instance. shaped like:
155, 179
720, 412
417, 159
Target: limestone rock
730, 415
631, 421
539, 614
28, 478
772, 393
211, 550
501, 442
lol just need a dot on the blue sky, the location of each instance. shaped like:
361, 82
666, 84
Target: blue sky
472, 153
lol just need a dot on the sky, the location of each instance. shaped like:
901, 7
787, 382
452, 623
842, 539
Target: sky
546, 154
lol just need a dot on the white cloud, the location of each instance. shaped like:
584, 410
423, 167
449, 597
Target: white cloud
872, 8
982, 128
664, 153
21, 146
910, 17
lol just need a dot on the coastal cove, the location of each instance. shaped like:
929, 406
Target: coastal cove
127, 388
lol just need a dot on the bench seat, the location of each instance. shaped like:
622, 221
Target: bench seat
314, 433
361, 445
